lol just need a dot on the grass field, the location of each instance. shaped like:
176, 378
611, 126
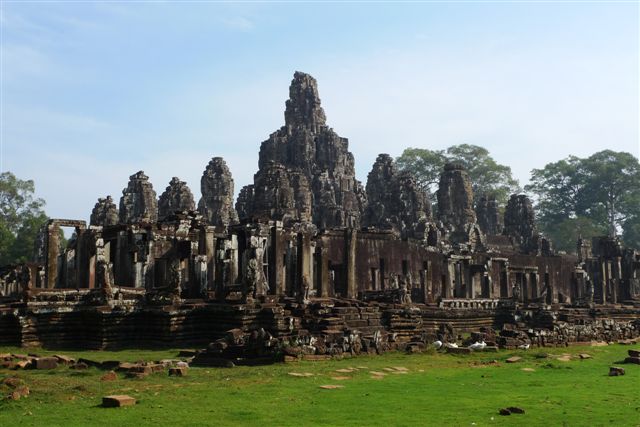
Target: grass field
434, 390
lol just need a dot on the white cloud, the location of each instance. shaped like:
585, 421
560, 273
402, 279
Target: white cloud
238, 23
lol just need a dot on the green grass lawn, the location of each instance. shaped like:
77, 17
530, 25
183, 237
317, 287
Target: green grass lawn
438, 389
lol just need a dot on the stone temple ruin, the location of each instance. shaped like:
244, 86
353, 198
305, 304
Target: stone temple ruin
309, 261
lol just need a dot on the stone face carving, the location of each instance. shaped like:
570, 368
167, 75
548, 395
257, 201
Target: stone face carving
519, 222
244, 203
104, 212
176, 198
455, 199
306, 173
138, 202
216, 185
394, 199
281, 193
488, 215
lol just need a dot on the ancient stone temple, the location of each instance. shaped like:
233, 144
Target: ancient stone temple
305, 171
138, 202
310, 265
488, 215
104, 212
455, 204
519, 222
176, 198
394, 200
216, 185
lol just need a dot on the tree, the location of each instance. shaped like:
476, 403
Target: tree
21, 216
588, 197
612, 187
487, 176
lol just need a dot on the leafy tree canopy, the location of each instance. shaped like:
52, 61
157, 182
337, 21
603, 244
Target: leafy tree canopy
21, 216
601, 193
487, 176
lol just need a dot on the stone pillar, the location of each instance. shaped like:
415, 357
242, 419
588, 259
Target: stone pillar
323, 274
233, 259
53, 251
305, 260
275, 256
351, 240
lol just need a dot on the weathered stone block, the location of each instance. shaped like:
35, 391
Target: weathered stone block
116, 401
46, 363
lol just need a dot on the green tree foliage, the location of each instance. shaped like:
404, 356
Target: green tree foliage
21, 216
588, 197
487, 176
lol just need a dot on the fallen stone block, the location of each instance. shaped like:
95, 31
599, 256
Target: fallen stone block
156, 367
515, 410
23, 364
504, 411
635, 360
634, 353
615, 371
65, 360
88, 362
126, 366
109, 365
513, 359
116, 401
178, 372
584, 356
46, 363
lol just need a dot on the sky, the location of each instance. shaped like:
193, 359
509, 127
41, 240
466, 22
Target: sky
92, 92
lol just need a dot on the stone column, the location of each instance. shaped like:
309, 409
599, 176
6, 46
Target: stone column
323, 274
305, 260
53, 251
351, 240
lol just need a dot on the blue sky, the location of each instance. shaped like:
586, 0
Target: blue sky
94, 91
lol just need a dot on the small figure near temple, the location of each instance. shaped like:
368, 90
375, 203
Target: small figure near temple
589, 290
394, 281
405, 292
515, 292
304, 291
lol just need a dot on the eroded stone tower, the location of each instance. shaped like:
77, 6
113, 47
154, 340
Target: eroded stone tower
216, 185
177, 197
104, 213
394, 199
138, 202
306, 173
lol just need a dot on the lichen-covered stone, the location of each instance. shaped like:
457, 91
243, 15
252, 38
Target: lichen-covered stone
177, 197
394, 199
244, 203
284, 194
216, 185
138, 202
104, 212
488, 215
455, 198
519, 222
309, 164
